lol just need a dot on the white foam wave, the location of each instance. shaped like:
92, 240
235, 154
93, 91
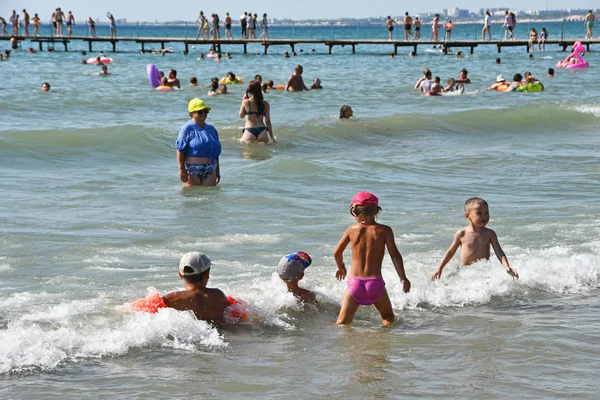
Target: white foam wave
593, 109
29, 344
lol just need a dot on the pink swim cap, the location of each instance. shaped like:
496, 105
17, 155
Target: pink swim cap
364, 199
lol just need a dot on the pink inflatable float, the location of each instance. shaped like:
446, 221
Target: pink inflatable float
103, 60
575, 59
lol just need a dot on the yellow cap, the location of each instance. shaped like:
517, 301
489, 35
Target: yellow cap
197, 105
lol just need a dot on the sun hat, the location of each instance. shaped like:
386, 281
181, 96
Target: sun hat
198, 262
364, 199
293, 265
500, 78
197, 105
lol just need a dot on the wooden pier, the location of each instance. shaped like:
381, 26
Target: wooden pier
330, 43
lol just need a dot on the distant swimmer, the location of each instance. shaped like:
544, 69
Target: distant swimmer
295, 83
500, 84
463, 76
316, 84
173, 81
436, 88
368, 240
104, 70
194, 81
517, 82
550, 72
345, 112
475, 240
498, 61
424, 83
291, 270
257, 112
45, 87
453, 87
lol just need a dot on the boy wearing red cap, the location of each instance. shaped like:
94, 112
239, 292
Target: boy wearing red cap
369, 240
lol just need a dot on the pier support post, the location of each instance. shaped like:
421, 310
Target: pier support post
40, 43
472, 48
396, 49
292, 46
587, 45
330, 47
266, 46
65, 44
143, 50
114, 44
90, 45
499, 48
162, 45
353, 48
415, 49
186, 47
245, 48
219, 48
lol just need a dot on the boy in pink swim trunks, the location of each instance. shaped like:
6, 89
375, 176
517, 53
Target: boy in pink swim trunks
369, 240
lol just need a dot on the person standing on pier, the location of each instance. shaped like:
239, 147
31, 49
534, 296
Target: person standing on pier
3, 22
113, 27
390, 27
60, 17
487, 26
435, 27
200, 19
26, 22
251, 28
417, 26
228, 34
244, 24
92, 27
70, 20
408, 26
509, 24
265, 27
589, 24
54, 26
36, 25
12, 18
16, 25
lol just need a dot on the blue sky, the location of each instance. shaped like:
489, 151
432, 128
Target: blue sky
155, 10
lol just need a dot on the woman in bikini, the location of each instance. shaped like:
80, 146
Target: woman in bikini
258, 116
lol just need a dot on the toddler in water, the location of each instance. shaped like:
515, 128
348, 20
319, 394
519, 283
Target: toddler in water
291, 271
475, 240
368, 240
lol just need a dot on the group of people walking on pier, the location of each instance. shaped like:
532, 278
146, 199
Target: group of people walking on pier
248, 23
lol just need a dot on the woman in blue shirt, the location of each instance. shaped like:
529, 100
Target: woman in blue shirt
198, 148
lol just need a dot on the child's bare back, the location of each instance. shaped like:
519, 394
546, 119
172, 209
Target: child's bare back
368, 244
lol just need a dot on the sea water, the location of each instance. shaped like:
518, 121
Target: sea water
93, 213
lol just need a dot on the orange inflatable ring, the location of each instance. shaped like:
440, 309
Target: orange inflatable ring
150, 303
237, 310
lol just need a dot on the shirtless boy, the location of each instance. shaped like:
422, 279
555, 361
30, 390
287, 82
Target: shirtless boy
475, 240
369, 240
295, 83
173, 81
291, 271
207, 304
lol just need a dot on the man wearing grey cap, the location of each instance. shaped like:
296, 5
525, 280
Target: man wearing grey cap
207, 304
291, 270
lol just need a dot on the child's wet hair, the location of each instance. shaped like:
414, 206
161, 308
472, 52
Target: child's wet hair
370, 211
473, 201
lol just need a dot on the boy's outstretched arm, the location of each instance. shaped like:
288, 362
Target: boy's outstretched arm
448, 256
338, 254
397, 260
502, 257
